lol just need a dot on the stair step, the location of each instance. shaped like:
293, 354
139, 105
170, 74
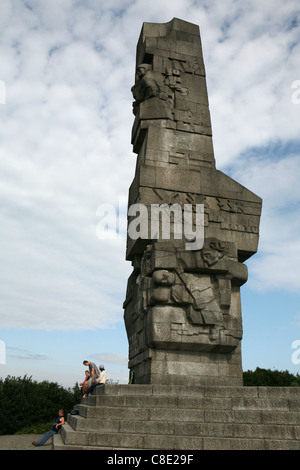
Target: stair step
249, 444
131, 413
191, 415
204, 391
229, 437
148, 417
230, 429
198, 403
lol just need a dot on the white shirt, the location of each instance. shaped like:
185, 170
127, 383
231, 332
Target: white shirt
102, 378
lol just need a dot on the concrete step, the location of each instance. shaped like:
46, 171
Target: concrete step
288, 403
190, 415
213, 443
150, 417
204, 391
169, 428
78, 440
131, 413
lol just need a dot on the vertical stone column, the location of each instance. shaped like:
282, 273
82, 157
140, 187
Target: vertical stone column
182, 309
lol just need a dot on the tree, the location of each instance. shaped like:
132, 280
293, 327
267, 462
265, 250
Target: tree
270, 378
24, 402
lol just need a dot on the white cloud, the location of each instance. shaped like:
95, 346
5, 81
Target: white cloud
65, 146
110, 358
24, 355
277, 182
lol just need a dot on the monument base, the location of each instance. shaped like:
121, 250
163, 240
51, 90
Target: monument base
180, 417
166, 367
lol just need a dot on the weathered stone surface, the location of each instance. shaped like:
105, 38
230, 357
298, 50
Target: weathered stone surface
182, 308
184, 418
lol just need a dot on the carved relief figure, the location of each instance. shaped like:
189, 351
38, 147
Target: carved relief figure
196, 291
213, 252
148, 85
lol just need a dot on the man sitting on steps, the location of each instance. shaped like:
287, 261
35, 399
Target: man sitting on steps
100, 381
55, 428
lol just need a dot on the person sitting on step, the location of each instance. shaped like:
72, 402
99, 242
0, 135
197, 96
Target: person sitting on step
100, 381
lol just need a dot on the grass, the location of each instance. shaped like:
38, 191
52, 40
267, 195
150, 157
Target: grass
36, 429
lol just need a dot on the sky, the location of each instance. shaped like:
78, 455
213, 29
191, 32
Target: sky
66, 71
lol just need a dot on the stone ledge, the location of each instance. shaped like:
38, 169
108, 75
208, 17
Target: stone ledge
142, 417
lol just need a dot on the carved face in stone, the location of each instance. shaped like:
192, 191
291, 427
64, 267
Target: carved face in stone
142, 70
213, 251
210, 256
163, 277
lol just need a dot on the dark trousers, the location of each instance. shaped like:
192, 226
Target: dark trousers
91, 388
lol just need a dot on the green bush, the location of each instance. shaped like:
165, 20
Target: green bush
270, 378
27, 404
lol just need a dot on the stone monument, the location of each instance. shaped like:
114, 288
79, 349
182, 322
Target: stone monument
190, 227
